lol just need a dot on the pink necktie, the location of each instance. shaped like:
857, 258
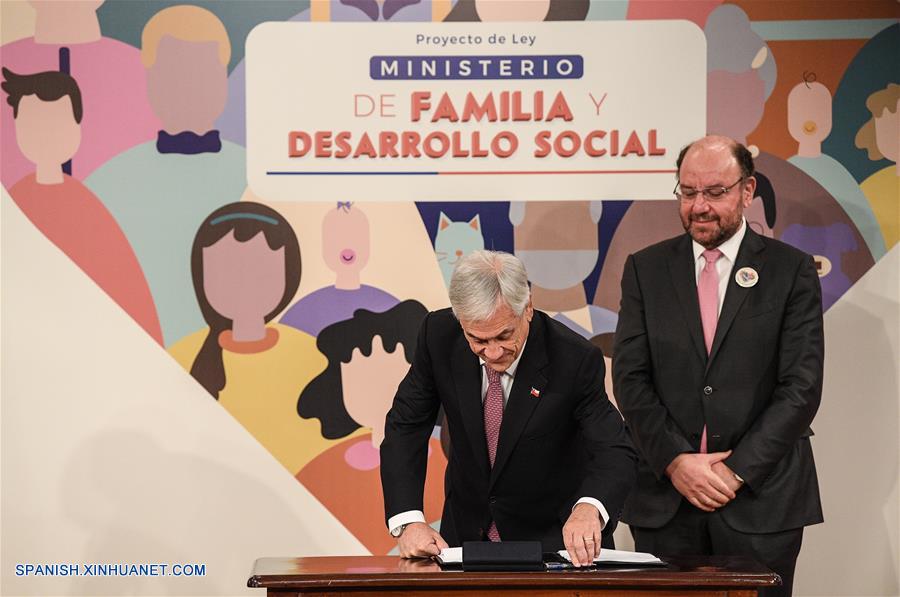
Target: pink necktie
708, 294
493, 416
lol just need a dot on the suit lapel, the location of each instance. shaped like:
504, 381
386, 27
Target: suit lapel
749, 255
684, 279
467, 377
521, 403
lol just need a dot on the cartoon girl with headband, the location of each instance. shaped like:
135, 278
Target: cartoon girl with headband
245, 264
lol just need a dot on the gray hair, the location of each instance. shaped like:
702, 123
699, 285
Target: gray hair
482, 279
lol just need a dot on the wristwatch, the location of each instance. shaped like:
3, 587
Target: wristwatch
397, 531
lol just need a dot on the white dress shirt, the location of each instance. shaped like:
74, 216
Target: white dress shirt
725, 263
506, 381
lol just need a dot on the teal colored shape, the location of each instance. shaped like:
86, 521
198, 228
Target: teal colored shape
160, 200
820, 29
607, 10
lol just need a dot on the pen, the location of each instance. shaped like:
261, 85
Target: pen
556, 565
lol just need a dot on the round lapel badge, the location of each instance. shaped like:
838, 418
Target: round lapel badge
746, 277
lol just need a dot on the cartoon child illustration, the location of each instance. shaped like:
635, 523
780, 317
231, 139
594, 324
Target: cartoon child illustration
245, 264
368, 356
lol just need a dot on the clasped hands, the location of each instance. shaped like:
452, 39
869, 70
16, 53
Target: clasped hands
704, 479
581, 536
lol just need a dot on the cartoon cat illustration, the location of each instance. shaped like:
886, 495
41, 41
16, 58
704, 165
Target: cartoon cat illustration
454, 240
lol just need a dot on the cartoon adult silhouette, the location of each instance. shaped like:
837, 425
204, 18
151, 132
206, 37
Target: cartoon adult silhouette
558, 243
809, 122
160, 191
245, 264
879, 137
48, 111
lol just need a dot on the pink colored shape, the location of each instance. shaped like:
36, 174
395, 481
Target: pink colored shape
690, 10
75, 220
113, 86
362, 456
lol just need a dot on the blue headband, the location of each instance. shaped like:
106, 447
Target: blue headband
244, 216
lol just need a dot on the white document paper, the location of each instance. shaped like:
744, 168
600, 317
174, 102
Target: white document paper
454, 555
450, 555
618, 556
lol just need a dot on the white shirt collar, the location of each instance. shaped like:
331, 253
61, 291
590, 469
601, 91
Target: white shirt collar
729, 248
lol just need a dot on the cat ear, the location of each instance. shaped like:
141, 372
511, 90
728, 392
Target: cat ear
475, 223
443, 221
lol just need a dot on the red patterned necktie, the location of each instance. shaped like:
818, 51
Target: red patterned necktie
493, 416
708, 295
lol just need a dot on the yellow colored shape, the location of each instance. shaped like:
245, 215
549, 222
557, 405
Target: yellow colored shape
261, 392
882, 189
16, 20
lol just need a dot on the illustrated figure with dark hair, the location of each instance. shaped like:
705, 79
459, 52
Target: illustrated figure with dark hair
174, 181
67, 38
48, 111
368, 356
245, 264
718, 367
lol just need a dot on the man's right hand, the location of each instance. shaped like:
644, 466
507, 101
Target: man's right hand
693, 477
420, 541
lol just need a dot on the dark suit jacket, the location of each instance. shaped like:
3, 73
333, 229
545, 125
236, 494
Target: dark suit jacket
757, 392
568, 442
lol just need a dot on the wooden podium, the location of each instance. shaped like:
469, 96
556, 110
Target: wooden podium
389, 575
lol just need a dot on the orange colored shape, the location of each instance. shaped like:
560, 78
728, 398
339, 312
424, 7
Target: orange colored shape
828, 59
75, 220
320, 10
227, 341
354, 496
440, 9
779, 10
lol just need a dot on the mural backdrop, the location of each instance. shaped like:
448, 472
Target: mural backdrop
125, 143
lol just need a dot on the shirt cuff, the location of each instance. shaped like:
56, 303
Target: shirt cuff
411, 516
604, 515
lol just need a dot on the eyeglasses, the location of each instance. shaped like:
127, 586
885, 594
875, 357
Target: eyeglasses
712, 194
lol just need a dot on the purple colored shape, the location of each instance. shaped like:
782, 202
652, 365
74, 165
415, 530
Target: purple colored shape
328, 305
188, 143
831, 242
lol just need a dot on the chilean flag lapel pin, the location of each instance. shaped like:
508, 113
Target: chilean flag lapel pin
535, 393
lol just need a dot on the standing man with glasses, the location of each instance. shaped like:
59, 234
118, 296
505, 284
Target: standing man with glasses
718, 372
537, 451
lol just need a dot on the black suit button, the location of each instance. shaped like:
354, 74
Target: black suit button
708, 390
695, 435
492, 500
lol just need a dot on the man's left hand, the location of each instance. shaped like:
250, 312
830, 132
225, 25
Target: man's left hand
725, 473
581, 534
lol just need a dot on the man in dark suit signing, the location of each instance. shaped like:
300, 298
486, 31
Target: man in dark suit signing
537, 452
718, 372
